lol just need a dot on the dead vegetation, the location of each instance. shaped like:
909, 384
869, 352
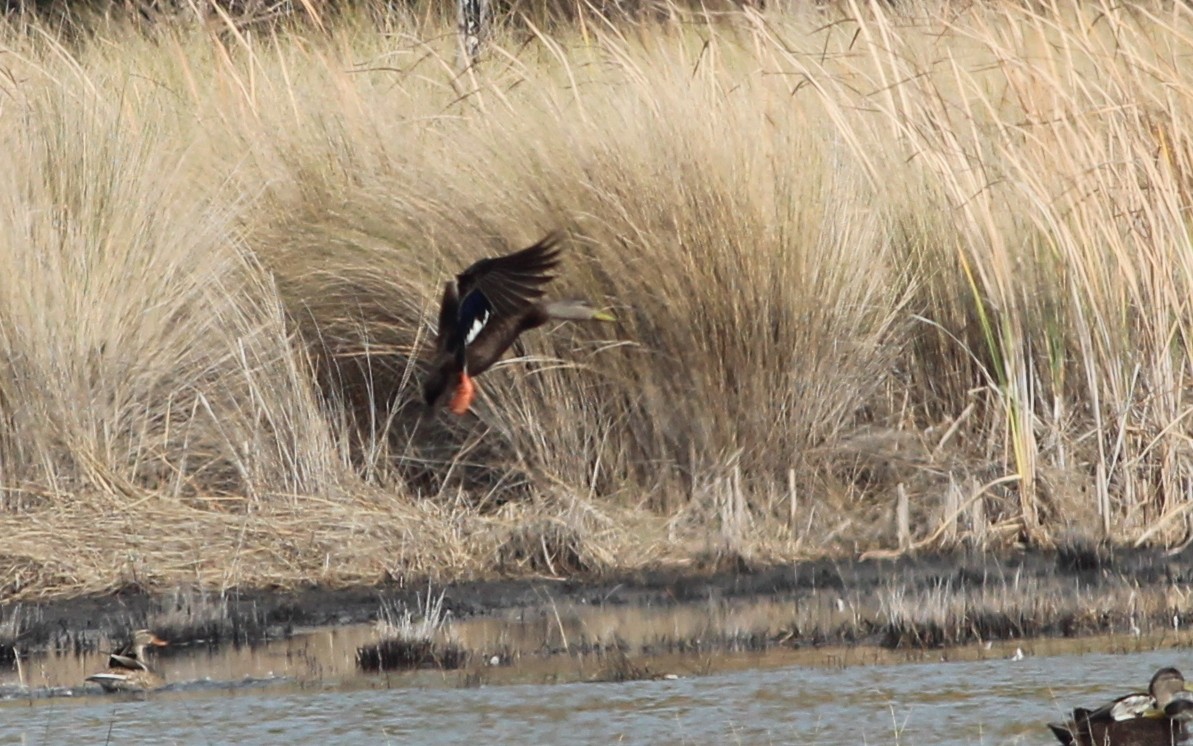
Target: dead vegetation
946, 616
890, 279
630, 642
413, 639
192, 616
620, 668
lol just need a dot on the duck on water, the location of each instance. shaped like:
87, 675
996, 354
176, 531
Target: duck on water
1158, 717
128, 670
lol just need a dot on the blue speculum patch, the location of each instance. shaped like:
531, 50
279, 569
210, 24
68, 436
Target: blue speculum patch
475, 311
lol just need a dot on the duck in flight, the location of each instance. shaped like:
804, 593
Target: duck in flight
483, 311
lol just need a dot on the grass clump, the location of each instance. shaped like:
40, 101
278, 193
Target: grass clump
408, 644
888, 279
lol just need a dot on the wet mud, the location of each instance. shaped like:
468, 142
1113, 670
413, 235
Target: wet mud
912, 602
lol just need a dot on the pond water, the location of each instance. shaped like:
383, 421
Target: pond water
307, 689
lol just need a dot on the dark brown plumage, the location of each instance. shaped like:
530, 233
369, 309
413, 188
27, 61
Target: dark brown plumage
483, 311
1152, 719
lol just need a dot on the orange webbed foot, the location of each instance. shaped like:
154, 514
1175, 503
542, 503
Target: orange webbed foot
463, 396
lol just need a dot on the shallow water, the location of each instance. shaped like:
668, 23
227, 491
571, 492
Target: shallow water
307, 690
978, 702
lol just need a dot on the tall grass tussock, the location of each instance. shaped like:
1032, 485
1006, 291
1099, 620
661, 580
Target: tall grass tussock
887, 277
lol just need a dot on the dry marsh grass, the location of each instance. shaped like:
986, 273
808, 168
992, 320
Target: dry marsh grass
887, 278
409, 644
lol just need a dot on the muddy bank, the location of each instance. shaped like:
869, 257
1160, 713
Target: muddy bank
923, 601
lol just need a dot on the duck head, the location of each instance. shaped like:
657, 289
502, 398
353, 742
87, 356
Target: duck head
143, 638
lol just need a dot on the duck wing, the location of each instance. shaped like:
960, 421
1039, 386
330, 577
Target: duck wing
508, 284
495, 338
449, 313
111, 682
126, 681
1127, 707
122, 660
494, 289
503, 287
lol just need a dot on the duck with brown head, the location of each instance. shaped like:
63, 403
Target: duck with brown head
128, 670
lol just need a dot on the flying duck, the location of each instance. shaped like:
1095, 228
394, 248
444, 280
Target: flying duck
483, 311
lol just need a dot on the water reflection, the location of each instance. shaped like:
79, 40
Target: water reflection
308, 688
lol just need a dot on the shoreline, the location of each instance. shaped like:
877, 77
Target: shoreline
928, 601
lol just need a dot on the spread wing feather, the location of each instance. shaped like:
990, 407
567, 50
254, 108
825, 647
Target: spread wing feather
493, 292
510, 283
485, 308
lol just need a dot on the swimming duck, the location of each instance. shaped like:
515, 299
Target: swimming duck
483, 311
1152, 719
127, 668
